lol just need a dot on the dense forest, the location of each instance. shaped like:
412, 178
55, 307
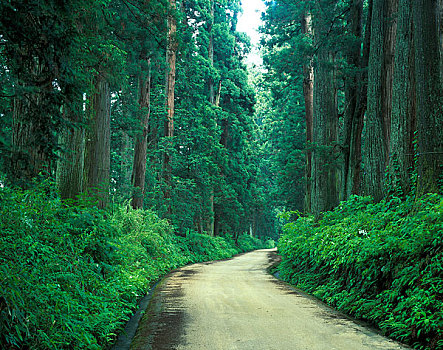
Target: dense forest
111, 99
136, 139
362, 81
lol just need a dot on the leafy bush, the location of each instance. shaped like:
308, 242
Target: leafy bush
247, 243
269, 244
53, 288
379, 262
70, 276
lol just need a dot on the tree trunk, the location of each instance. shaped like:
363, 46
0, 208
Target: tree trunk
211, 53
325, 126
210, 222
31, 140
403, 119
171, 53
355, 89
353, 176
126, 161
225, 133
98, 140
170, 75
383, 29
429, 95
28, 156
440, 34
217, 222
217, 96
308, 93
212, 99
141, 141
70, 165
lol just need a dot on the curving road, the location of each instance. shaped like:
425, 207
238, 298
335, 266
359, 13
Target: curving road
236, 304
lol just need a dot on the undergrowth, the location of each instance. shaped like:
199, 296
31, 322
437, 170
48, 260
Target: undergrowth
71, 276
379, 262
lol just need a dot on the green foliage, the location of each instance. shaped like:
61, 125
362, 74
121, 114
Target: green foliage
285, 52
247, 243
71, 275
379, 262
72, 44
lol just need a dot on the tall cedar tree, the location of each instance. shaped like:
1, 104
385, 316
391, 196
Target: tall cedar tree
308, 93
325, 185
403, 119
70, 164
37, 40
355, 98
429, 95
171, 55
141, 140
98, 146
381, 69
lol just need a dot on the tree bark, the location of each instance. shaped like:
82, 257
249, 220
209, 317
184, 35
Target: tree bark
428, 94
98, 140
141, 140
383, 29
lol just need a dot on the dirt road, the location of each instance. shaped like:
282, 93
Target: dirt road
236, 304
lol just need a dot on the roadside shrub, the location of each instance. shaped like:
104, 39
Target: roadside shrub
204, 248
379, 262
269, 244
71, 276
247, 243
52, 263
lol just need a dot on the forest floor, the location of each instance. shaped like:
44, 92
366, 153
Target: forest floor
237, 304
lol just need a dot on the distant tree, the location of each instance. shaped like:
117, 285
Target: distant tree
289, 61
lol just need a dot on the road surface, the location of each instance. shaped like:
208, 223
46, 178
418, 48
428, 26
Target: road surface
236, 304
